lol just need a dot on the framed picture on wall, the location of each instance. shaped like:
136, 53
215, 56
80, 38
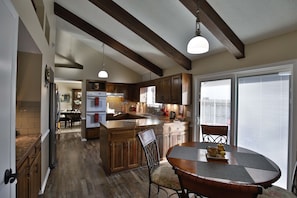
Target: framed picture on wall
65, 98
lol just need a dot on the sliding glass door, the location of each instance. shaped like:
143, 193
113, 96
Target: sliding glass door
255, 104
215, 102
263, 117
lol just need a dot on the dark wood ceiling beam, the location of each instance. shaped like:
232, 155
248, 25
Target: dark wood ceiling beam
216, 25
96, 33
73, 66
143, 31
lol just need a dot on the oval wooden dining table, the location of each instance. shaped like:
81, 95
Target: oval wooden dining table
239, 166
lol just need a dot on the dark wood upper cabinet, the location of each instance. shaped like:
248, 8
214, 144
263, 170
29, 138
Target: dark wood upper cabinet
95, 85
130, 91
163, 90
176, 89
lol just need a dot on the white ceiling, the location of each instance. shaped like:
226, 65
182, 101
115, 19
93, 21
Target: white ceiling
251, 21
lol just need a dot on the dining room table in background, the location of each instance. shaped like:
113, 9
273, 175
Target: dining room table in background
239, 165
70, 116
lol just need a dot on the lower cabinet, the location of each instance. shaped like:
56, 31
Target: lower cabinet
23, 179
124, 154
173, 133
29, 173
92, 133
35, 176
121, 150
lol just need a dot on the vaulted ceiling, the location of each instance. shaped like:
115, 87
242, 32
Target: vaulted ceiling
152, 35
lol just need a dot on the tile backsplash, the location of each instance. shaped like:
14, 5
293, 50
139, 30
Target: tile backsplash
28, 117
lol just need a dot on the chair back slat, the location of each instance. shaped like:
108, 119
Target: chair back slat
213, 133
150, 147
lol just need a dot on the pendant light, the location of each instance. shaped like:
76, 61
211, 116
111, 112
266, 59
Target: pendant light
198, 44
103, 73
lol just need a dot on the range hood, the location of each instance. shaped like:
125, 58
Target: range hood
115, 94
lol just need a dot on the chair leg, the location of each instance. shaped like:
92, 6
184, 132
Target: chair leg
149, 195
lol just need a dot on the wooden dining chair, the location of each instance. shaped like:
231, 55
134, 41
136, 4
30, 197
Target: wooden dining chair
214, 133
214, 189
275, 191
160, 174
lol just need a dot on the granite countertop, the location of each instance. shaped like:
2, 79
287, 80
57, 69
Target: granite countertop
23, 145
131, 123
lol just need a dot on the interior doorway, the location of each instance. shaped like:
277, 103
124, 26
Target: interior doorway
70, 100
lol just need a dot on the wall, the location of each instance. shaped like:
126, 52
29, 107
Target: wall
28, 93
47, 50
273, 50
29, 76
65, 87
91, 60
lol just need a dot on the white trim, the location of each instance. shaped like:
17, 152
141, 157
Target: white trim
43, 136
44, 181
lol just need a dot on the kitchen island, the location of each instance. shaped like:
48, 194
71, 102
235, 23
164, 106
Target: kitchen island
120, 148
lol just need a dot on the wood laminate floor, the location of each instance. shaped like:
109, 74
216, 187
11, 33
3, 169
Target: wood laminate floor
79, 174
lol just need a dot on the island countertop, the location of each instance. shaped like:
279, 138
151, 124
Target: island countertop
130, 123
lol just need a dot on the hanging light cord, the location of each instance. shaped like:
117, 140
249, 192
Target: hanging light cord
103, 56
197, 24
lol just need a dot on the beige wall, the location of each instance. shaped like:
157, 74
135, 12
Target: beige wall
91, 61
277, 49
29, 76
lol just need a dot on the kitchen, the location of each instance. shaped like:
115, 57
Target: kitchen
39, 103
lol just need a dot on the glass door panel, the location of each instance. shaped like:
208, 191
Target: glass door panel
215, 103
263, 118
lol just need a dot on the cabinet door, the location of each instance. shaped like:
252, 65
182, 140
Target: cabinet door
163, 142
133, 93
23, 180
117, 155
133, 153
163, 89
35, 177
176, 89
177, 138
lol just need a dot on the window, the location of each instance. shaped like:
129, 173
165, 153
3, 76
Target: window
148, 96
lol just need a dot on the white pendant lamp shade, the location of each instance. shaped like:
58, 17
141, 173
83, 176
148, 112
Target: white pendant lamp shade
102, 72
198, 45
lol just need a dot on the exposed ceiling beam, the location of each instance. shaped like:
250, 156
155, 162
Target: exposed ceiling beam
96, 33
216, 25
143, 31
73, 66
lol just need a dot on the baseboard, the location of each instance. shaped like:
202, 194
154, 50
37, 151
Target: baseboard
44, 182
